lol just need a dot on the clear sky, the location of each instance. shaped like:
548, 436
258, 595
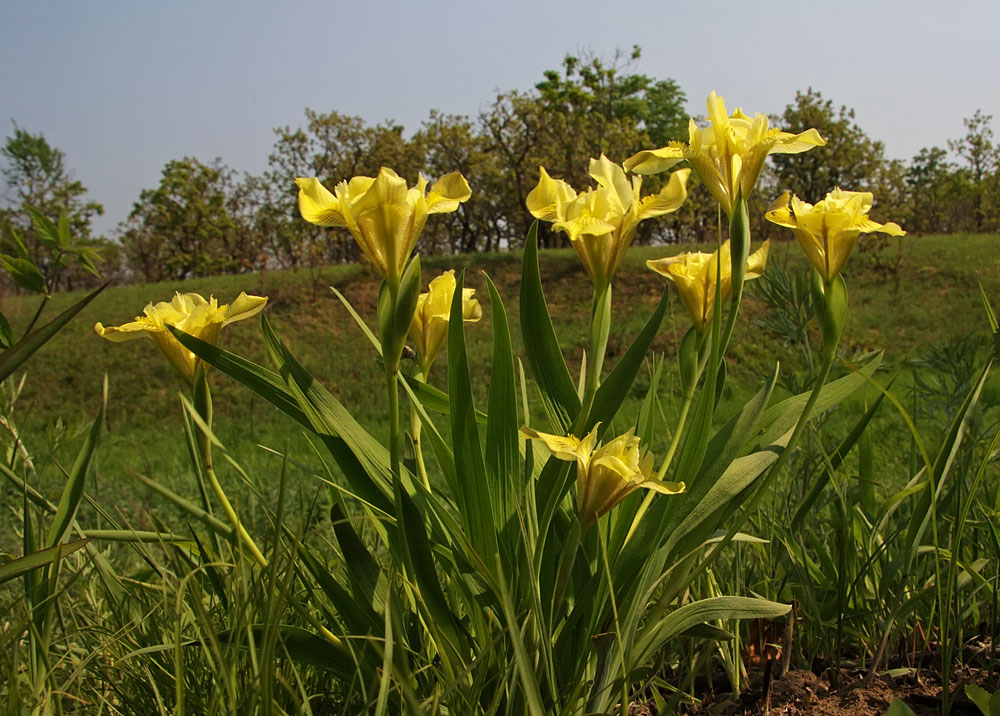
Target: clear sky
124, 86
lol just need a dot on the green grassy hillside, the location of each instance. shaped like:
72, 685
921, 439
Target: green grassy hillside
931, 299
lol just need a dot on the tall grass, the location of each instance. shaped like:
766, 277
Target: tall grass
882, 529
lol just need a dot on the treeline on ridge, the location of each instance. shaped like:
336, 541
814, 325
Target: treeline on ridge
203, 218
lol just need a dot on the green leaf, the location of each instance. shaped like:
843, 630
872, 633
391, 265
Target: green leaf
136, 536
649, 420
725, 446
359, 320
22, 350
184, 504
780, 418
652, 637
704, 517
18, 240
300, 644
265, 383
836, 459
943, 461
995, 704
45, 229
361, 567
501, 451
73, 490
367, 468
476, 503
525, 668
739, 240
62, 233
434, 398
899, 708
6, 336
983, 699
708, 631
541, 347
406, 305
22, 565
419, 560
315, 409
24, 273
357, 616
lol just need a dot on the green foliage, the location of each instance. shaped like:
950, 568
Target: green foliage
944, 195
354, 572
185, 227
850, 159
45, 208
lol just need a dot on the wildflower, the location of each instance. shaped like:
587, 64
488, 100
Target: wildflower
605, 475
429, 327
729, 154
828, 230
190, 313
601, 222
384, 216
695, 275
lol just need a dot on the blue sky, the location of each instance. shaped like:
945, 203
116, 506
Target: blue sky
123, 87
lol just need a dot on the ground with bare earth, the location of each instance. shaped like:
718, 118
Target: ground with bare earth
801, 692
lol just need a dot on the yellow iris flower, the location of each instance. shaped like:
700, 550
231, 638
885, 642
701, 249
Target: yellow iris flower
605, 475
601, 222
429, 327
695, 274
190, 313
828, 230
729, 154
384, 216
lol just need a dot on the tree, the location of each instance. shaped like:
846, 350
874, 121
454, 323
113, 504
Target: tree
927, 179
980, 175
593, 108
850, 159
186, 226
452, 143
590, 107
333, 147
512, 129
36, 179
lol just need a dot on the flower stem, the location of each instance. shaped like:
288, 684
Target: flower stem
203, 404
415, 427
675, 442
600, 326
776, 466
395, 438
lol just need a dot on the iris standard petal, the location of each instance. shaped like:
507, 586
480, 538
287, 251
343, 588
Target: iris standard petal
384, 216
601, 222
429, 325
728, 154
611, 176
447, 193
547, 201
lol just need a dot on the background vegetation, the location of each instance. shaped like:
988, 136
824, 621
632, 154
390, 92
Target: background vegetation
204, 219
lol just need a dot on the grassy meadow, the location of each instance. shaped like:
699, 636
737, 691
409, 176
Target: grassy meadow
927, 305
123, 654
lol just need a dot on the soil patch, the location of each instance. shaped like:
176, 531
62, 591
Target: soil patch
802, 692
